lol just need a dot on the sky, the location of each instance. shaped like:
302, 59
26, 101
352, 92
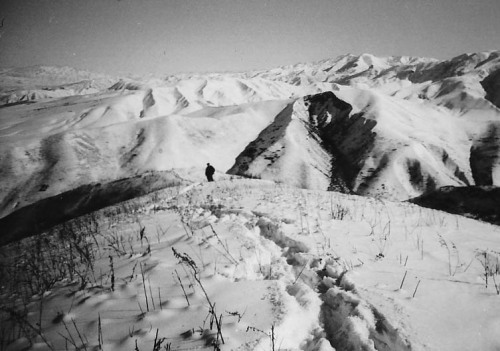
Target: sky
173, 36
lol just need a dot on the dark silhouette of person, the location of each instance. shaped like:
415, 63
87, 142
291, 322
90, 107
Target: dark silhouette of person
209, 172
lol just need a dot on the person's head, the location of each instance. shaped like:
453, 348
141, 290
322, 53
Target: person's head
208, 164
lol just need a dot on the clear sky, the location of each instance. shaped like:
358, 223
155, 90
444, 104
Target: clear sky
171, 36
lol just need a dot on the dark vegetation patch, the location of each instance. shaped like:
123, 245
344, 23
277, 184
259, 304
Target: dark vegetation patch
126, 158
484, 154
478, 202
415, 172
373, 173
44, 214
23, 102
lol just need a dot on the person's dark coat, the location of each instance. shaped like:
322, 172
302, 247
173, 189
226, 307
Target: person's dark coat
209, 172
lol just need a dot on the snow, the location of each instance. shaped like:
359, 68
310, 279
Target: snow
278, 262
274, 256
438, 112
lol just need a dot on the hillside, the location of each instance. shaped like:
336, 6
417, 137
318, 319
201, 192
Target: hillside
22, 85
394, 127
113, 240
254, 265
474, 201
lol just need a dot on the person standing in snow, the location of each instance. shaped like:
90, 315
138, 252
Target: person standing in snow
209, 172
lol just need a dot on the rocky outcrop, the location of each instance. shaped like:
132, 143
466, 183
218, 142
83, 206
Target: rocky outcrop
491, 85
348, 138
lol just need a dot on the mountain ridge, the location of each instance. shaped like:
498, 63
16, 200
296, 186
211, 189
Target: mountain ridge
430, 123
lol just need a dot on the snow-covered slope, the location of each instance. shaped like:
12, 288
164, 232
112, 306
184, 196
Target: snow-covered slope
432, 123
39, 82
392, 127
287, 151
253, 265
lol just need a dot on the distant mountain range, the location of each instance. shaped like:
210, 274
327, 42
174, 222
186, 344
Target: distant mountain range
395, 127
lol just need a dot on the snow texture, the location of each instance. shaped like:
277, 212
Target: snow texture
292, 260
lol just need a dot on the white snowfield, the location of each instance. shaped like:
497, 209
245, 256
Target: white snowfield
412, 125
278, 263
281, 268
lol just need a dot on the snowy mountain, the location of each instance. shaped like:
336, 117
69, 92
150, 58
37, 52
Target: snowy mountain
22, 85
392, 127
112, 240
